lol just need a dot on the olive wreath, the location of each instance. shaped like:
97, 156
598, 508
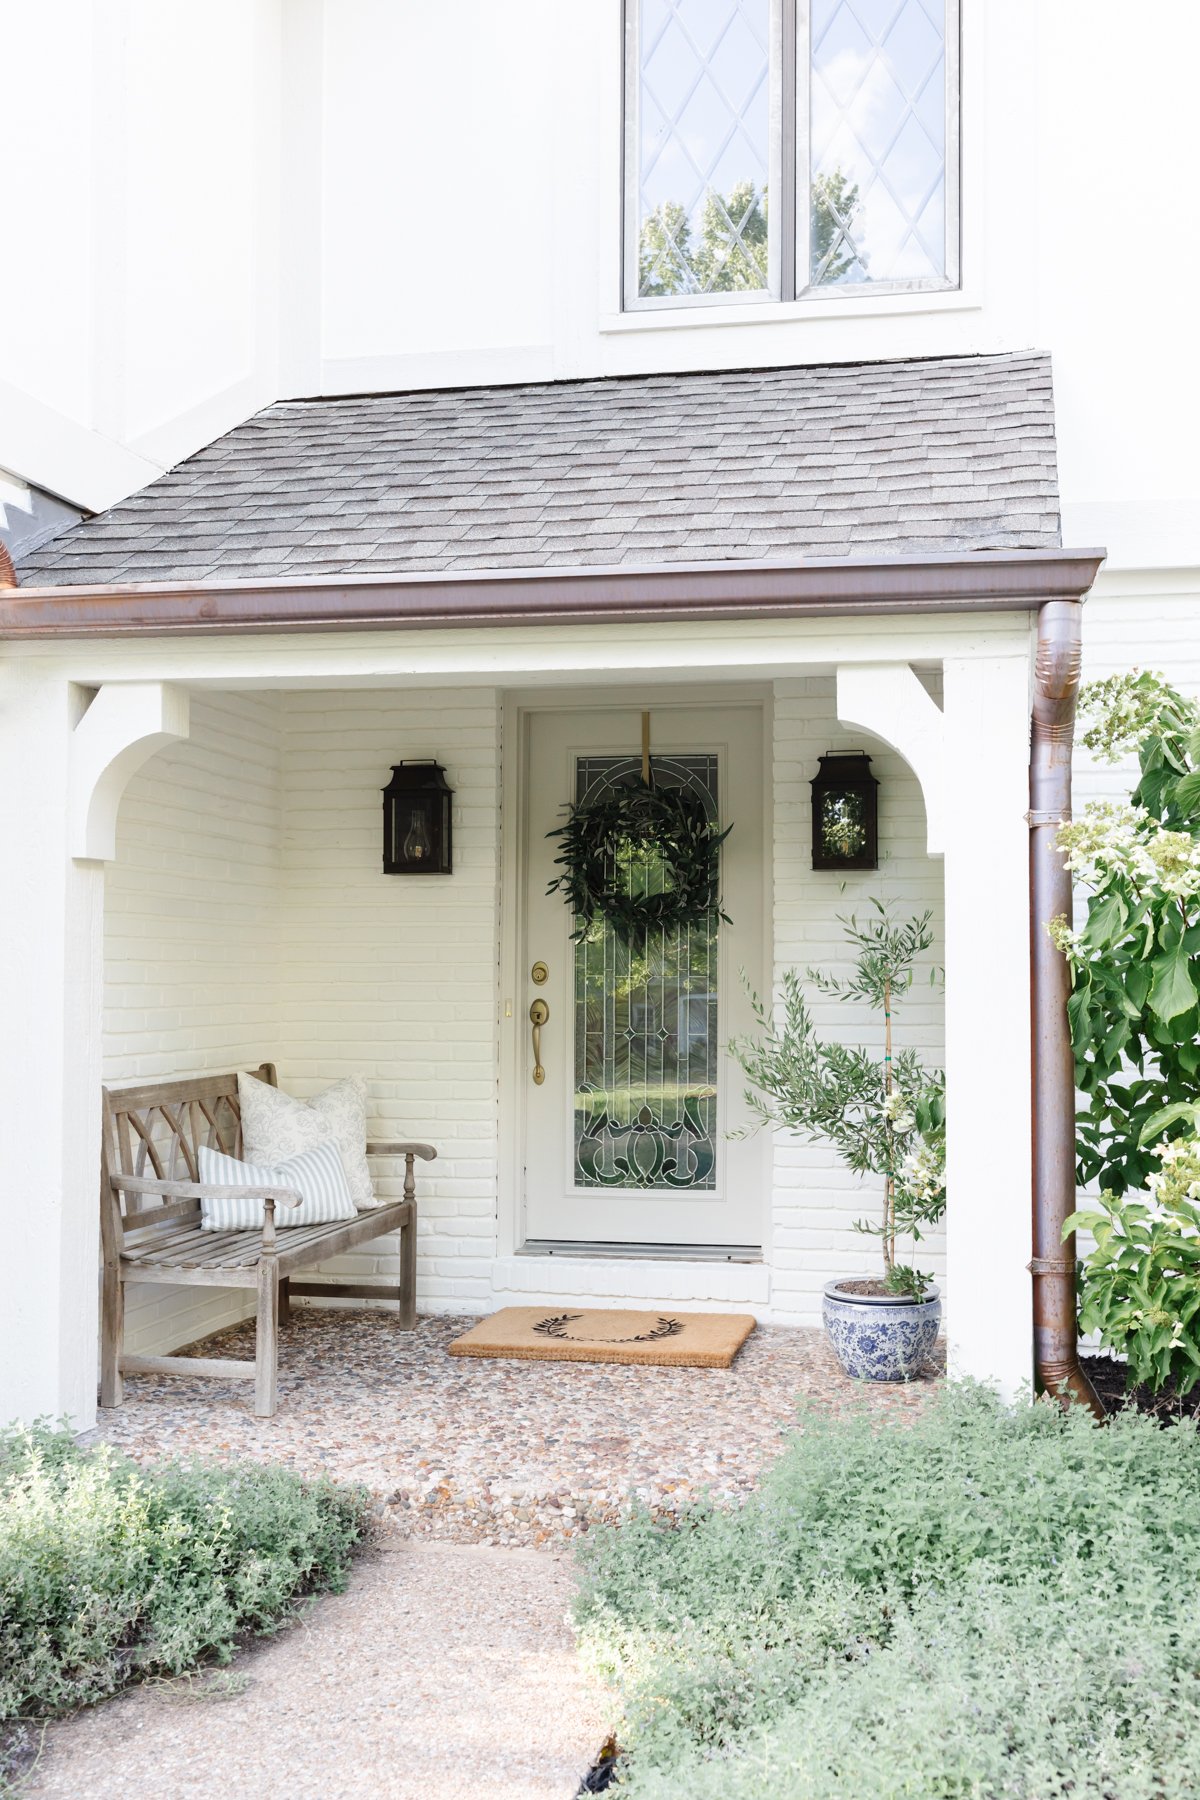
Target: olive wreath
669, 822
556, 1327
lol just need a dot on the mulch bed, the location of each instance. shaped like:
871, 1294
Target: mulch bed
1107, 1376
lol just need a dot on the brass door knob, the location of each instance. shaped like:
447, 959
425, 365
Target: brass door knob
539, 1012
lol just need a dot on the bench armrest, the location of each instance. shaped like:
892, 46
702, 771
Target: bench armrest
426, 1152
270, 1196
203, 1190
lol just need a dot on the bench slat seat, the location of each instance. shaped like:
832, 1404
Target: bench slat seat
195, 1248
151, 1227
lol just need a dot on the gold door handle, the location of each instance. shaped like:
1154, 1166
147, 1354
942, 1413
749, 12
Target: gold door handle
539, 1012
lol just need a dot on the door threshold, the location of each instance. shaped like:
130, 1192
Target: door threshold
709, 1253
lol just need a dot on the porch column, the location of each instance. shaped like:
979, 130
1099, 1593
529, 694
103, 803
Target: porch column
989, 1322
63, 767
51, 952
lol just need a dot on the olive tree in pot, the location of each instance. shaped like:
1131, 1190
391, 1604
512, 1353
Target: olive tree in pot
885, 1116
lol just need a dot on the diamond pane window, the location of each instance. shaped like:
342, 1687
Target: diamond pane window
878, 142
778, 148
702, 103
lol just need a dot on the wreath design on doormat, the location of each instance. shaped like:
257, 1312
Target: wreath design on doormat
556, 1327
605, 839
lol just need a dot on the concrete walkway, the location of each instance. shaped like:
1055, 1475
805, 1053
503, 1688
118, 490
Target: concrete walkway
444, 1671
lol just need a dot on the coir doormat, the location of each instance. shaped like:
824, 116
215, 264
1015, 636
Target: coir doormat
675, 1339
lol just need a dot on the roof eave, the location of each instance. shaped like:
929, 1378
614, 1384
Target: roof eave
981, 580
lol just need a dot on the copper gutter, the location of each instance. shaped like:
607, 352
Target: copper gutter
989, 581
1055, 691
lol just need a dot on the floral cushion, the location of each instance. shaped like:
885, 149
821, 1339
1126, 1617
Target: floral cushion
276, 1126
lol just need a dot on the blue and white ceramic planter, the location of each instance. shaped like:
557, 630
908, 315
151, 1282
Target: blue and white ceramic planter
877, 1337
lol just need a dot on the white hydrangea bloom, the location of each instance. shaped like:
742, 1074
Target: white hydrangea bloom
1117, 713
1113, 838
923, 1172
1177, 1179
896, 1111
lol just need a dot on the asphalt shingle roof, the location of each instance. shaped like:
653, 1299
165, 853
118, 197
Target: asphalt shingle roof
876, 459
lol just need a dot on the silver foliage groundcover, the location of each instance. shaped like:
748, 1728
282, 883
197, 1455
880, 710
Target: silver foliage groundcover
978, 1604
110, 1573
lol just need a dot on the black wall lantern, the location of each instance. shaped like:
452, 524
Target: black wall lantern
845, 813
416, 820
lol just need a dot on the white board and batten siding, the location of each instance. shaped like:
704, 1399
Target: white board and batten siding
1146, 620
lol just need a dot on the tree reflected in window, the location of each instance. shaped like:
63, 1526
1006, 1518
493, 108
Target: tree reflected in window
868, 131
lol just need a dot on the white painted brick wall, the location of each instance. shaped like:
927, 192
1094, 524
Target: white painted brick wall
815, 1198
191, 912
248, 916
392, 976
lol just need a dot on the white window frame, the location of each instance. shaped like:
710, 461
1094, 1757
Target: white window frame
790, 114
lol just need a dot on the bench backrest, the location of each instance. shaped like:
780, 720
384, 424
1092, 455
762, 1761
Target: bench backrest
156, 1130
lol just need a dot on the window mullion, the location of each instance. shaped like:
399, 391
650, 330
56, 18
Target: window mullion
787, 228
802, 140
953, 143
630, 137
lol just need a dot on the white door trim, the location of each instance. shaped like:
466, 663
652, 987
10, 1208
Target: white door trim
516, 707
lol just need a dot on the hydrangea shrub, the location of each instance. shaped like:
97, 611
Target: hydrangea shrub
1140, 1286
1135, 962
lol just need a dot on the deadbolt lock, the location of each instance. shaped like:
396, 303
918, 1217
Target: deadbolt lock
539, 974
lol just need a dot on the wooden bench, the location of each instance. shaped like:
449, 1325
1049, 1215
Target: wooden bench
150, 1228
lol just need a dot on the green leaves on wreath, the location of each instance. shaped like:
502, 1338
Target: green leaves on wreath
607, 843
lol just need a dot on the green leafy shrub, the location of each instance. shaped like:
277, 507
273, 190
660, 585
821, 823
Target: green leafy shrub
1140, 1285
109, 1573
1135, 965
979, 1603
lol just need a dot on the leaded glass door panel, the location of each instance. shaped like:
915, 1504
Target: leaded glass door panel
627, 1136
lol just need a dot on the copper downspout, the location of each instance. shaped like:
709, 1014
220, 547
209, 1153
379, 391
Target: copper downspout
1055, 690
8, 575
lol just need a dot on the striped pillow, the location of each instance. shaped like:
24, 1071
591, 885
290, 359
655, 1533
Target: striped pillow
316, 1174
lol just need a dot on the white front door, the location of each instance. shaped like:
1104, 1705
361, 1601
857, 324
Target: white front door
627, 1138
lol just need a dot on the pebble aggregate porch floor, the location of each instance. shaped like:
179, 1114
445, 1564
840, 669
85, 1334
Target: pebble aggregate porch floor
495, 1452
